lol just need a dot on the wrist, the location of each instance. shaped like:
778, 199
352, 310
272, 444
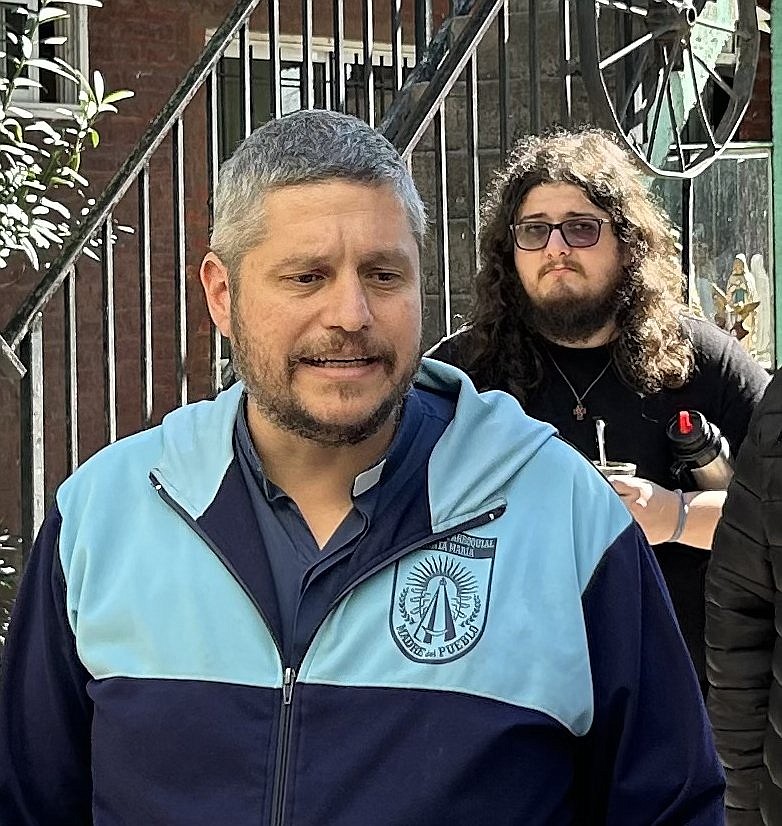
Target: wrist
682, 517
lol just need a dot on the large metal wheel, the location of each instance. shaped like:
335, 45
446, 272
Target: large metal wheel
667, 74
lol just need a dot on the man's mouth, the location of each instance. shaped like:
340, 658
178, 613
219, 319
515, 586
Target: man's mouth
560, 267
341, 361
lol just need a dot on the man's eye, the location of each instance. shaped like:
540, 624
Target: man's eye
307, 278
385, 277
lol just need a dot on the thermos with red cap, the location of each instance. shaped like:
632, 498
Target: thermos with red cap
700, 451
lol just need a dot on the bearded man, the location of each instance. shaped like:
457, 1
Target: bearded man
578, 313
333, 595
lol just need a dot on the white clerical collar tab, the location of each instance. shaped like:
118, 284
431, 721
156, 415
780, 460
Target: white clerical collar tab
368, 478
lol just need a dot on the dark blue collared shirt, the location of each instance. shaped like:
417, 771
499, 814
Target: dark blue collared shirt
304, 575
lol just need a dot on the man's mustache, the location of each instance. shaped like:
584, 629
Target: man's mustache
345, 346
562, 262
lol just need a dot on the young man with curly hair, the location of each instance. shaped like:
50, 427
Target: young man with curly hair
579, 314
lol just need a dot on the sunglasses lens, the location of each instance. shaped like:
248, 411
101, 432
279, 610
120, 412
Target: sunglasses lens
581, 232
532, 236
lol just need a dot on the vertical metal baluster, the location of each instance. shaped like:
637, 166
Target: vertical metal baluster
338, 80
145, 295
307, 79
441, 182
381, 88
245, 78
368, 36
471, 82
109, 332
534, 67
687, 226
396, 44
423, 27
31, 435
356, 88
180, 271
565, 64
275, 69
71, 376
213, 160
502, 74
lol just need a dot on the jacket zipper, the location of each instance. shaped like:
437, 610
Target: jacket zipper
283, 741
283, 746
289, 673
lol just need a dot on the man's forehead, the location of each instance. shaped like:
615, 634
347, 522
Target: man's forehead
558, 197
321, 192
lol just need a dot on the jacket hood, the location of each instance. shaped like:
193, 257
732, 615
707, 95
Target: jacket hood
488, 442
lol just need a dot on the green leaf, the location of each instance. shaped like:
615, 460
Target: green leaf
42, 126
74, 71
56, 206
55, 41
94, 138
19, 112
94, 3
99, 85
30, 251
51, 66
27, 83
27, 47
120, 94
51, 13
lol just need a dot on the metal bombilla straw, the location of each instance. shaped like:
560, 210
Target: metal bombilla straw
600, 427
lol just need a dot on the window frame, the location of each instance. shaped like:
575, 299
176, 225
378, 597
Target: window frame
291, 48
75, 52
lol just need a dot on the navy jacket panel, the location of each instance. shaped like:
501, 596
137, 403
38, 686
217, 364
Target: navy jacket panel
182, 752
46, 715
427, 757
650, 748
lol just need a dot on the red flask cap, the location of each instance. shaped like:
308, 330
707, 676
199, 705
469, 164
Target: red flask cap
685, 424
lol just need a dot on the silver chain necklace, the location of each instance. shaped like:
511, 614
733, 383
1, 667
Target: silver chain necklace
579, 411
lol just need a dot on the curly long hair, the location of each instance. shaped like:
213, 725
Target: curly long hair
652, 350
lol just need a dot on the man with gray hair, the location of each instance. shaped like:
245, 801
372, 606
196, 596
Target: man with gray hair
339, 595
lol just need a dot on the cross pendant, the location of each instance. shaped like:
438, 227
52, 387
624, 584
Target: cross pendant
579, 411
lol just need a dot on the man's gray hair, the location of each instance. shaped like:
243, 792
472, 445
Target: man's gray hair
308, 146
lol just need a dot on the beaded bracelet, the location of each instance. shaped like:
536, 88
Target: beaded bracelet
683, 510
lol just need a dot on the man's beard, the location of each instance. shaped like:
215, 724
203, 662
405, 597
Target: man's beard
572, 318
272, 392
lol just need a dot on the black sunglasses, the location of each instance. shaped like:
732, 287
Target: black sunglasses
576, 232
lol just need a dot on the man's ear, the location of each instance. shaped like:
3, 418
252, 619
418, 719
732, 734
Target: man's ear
214, 278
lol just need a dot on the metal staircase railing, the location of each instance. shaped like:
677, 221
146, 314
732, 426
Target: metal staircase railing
415, 121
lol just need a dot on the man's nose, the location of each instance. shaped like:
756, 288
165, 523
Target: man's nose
556, 244
348, 304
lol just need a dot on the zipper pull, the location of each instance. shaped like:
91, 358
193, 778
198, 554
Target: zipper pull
287, 686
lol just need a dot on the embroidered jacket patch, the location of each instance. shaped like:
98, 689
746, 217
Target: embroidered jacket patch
441, 596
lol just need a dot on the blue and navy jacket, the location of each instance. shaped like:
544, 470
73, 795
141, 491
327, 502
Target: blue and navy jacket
502, 652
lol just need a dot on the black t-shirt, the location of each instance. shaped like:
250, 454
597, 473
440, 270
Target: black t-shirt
725, 386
